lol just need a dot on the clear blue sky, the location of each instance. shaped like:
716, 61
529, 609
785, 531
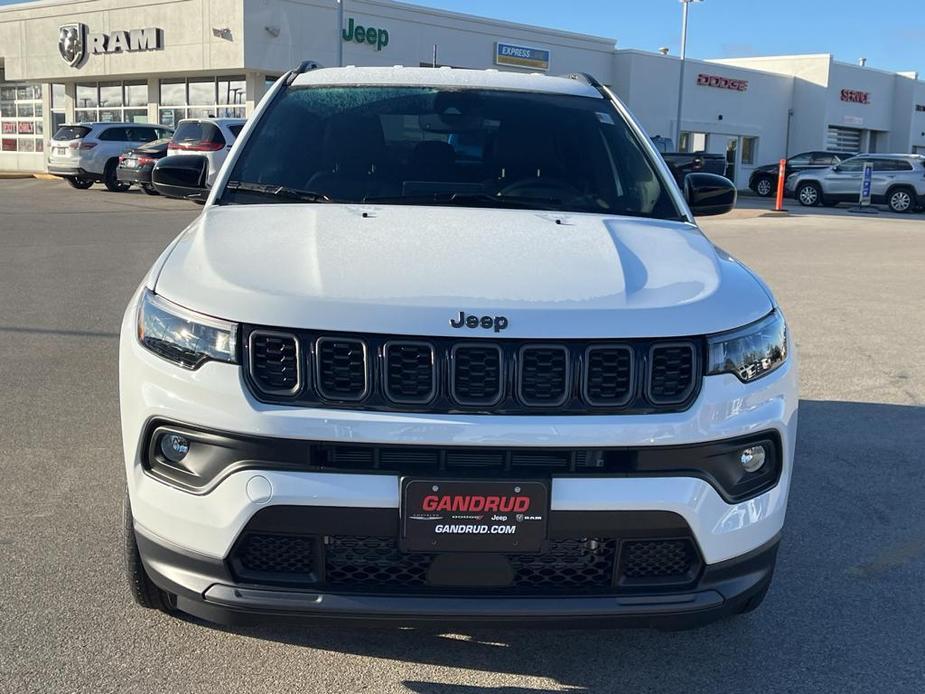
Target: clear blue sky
890, 33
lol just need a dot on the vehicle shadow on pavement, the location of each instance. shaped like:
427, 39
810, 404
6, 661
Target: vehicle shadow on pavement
845, 611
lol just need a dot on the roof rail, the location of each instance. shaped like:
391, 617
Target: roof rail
586, 78
304, 66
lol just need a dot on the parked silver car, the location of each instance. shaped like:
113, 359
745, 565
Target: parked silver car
898, 182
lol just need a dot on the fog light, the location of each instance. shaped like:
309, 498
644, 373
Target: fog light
752, 459
174, 447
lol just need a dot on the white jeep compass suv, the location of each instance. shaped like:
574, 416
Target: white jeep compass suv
384, 375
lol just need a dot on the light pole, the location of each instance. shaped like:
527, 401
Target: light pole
684, 6
340, 29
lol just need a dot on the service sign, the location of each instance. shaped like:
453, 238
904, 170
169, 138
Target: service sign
853, 96
473, 515
521, 56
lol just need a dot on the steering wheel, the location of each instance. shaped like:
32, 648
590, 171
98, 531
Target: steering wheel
540, 187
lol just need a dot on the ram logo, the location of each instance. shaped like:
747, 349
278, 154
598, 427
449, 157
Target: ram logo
72, 43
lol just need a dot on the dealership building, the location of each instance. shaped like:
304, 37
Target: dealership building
143, 61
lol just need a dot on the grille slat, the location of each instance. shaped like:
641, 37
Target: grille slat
671, 373
608, 376
410, 372
275, 362
543, 376
342, 369
447, 376
477, 374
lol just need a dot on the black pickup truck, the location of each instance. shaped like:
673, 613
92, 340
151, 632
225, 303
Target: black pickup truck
683, 163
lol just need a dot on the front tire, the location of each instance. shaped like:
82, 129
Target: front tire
900, 200
149, 189
142, 588
809, 194
78, 182
113, 184
764, 187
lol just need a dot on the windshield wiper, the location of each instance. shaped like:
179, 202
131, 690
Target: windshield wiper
450, 198
278, 192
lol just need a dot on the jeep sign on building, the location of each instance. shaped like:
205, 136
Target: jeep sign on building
139, 60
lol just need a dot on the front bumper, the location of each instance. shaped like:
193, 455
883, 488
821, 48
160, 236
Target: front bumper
186, 537
722, 590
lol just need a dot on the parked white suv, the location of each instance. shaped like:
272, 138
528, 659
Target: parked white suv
380, 377
85, 153
212, 137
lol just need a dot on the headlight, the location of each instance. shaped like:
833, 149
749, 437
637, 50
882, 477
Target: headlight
749, 352
182, 336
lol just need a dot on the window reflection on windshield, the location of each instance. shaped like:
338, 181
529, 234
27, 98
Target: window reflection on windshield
420, 146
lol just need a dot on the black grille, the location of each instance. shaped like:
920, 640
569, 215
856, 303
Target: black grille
341, 369
410, 375
275, 362
567, 566
360, 563
608, 375
643, 560
465, 462
543, 376
384, 373
672, 373
372, 562
477, 374
276, 558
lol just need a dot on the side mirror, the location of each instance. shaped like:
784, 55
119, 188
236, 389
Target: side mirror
182, 176
836, 168
709, 194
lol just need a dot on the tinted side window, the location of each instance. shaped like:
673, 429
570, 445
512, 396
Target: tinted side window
236, 129
142, 134
194, 131
799, 160
852, 165
892, 165
114, 135
824, 159
70, 132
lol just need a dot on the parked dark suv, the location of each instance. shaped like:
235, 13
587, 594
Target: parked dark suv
763, 180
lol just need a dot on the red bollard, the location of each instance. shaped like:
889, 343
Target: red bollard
781, 175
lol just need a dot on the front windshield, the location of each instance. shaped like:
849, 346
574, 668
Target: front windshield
436, 146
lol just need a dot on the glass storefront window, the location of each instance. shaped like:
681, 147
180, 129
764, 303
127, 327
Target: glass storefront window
111, 94
136, 94
57, 96
749, 149
231, 90
173, 93
220, 97
136, 115
87, 96
21, 118
83, 116
201, 92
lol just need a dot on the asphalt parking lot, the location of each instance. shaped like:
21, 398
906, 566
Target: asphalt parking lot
845, 613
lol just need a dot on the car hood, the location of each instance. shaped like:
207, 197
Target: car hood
408, 270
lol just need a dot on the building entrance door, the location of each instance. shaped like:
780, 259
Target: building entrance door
727, 146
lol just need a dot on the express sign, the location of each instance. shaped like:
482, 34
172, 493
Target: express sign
722, 82
853, 96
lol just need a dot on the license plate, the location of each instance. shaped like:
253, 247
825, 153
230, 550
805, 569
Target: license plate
60, 151
473, 515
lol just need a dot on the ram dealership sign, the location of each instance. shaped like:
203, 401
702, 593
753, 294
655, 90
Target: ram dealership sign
75, 42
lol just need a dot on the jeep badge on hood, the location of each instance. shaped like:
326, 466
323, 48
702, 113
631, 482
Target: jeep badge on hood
499, 323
